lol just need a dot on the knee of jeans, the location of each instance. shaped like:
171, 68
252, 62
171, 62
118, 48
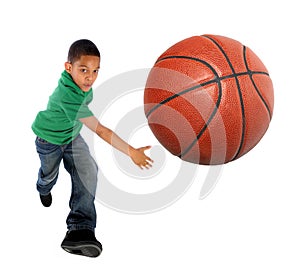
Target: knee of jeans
47, 179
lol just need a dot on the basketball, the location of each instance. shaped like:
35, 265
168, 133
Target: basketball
208, 99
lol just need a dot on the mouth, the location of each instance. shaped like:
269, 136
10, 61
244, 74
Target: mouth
87, 86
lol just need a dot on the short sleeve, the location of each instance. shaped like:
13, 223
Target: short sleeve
75, 106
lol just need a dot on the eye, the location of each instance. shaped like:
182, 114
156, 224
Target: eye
96, 71
83, 70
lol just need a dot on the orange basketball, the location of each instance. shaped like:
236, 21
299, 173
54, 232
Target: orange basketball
208, 99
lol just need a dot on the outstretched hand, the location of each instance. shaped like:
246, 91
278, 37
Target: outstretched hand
140, 159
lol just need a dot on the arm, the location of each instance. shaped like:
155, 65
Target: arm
137, 155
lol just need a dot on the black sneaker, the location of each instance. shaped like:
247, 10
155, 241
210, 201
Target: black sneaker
82, 242
46, 199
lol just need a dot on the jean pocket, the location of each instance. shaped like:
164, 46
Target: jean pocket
44, 147
41, 140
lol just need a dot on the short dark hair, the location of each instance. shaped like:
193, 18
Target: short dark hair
82, 47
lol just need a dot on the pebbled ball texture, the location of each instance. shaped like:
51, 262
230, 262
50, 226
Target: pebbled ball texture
209, 99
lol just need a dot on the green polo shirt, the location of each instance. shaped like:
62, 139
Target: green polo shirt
59, 124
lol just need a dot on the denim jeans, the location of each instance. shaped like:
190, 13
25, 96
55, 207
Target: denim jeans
83, 171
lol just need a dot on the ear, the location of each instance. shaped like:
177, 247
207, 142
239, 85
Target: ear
68, 67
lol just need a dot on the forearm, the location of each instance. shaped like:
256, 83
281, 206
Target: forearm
137, 155
113, 139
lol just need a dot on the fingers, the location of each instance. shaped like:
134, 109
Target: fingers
146, 164
149, 160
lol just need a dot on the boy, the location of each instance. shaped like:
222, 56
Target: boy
58, 138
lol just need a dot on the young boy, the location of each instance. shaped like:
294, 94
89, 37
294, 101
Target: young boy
58, 139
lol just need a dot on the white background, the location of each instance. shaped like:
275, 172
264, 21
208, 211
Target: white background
247, 228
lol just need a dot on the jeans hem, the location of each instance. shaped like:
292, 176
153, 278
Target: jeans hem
41, 189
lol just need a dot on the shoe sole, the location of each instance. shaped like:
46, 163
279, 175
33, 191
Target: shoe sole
83, 249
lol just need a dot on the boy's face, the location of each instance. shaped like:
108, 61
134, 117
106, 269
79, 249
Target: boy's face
84, 71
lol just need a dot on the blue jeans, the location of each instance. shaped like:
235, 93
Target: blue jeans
83, 171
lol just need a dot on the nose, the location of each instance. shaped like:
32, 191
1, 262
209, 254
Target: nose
91, 77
